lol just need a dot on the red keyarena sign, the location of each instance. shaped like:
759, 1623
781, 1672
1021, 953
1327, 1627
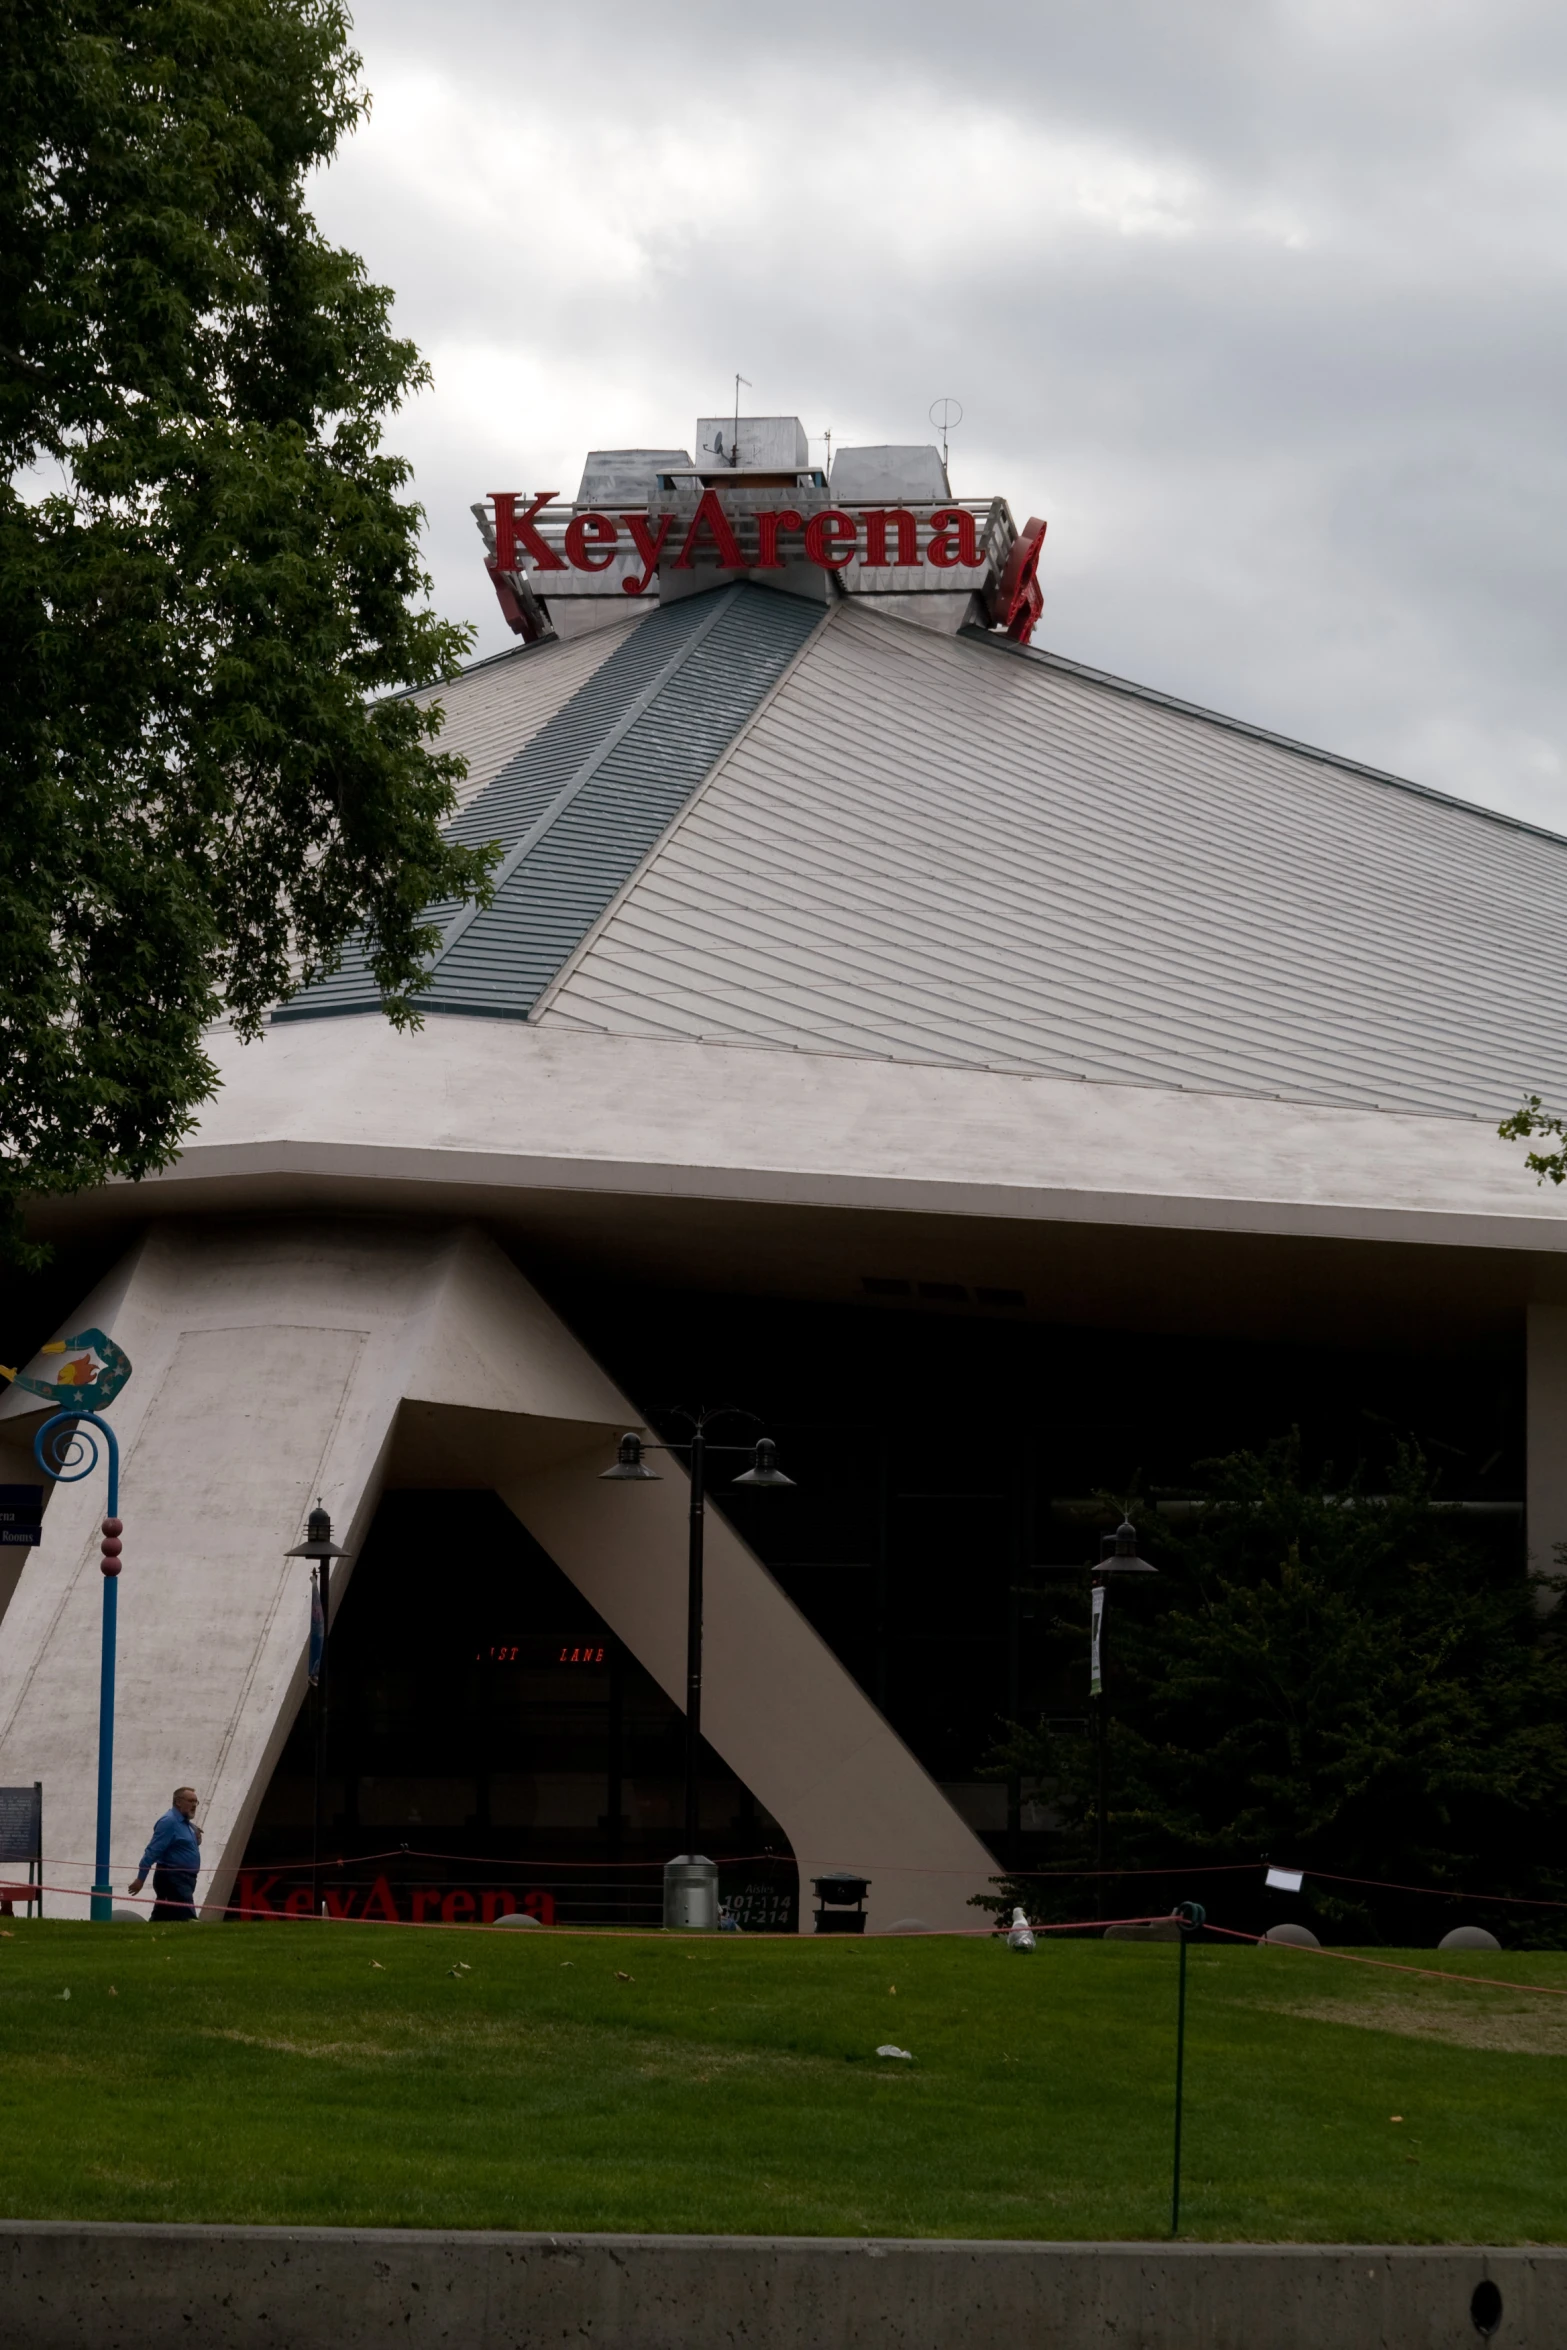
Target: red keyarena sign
275, 1895
878, 537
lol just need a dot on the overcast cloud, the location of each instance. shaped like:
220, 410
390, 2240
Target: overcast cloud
1260, 305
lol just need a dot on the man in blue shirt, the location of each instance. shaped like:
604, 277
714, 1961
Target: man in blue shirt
174, 1857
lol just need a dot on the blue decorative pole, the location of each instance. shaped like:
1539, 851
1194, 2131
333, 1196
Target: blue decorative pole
66, 1449
94, 1374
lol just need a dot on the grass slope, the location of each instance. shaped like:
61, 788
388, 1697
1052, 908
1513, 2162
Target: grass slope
344, 2075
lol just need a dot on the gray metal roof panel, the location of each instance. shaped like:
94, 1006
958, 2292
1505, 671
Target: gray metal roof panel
736, 645
997, 642
492, 710
920, 852
579, 805
497, 705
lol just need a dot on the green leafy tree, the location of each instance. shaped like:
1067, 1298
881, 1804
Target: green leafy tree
1351, 1684
1531, 1122
209, 580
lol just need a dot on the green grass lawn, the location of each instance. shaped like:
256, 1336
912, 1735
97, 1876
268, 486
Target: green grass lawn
344, 2075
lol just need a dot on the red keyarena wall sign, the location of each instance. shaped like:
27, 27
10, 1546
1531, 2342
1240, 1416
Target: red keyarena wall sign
273, 1894
879, 537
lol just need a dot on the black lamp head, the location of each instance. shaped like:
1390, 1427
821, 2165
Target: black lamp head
1120, 1553
318, 1543
765, 1470
629, 1462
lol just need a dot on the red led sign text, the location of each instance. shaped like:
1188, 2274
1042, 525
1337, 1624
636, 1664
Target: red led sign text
542, 1650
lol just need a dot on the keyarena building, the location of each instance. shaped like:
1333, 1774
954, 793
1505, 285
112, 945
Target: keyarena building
1010, 1085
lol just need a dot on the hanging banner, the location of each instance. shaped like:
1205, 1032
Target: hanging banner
317, 1628
1095, 1679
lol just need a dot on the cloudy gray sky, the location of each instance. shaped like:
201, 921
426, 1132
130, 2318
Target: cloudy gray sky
1258, 301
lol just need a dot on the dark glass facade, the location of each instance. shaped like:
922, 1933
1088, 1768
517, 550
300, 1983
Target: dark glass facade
943, 1447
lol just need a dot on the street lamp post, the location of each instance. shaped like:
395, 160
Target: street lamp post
764, 1471
1120, 1558
319, 1547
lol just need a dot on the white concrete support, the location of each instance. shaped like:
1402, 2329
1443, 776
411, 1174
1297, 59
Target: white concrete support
1546, 1438
278, 1362
776, 1704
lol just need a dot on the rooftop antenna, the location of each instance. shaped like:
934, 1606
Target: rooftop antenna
950, 418
734, 454
827, 437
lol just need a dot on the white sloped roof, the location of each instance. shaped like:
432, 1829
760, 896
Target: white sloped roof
498, 705
943, 851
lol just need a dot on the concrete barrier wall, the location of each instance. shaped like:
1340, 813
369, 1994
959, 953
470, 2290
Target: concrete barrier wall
67, 2286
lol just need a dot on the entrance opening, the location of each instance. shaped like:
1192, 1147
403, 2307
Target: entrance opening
491, 1747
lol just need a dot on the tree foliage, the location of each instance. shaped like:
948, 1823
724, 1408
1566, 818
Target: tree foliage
208, 573
1354, 1685
1531, 1121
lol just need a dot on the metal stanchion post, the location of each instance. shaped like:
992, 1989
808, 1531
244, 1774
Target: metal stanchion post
1192, 1917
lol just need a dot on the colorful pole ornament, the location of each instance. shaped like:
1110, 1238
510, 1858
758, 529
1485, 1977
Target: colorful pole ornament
92, 1375
66, 1448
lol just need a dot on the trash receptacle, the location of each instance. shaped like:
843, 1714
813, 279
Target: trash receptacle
691, 1893
842, 1897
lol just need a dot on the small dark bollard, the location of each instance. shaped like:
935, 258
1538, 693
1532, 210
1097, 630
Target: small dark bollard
842, 1899
1192, 1918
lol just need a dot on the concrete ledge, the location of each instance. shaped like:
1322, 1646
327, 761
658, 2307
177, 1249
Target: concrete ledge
71, 2286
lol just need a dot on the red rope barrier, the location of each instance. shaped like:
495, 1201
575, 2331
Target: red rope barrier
1393, 1966
545, 1868
1440, 1892
945, 1933
425, 1925
471, 1860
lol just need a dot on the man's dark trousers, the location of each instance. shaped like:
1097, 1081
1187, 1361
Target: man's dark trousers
176, 1894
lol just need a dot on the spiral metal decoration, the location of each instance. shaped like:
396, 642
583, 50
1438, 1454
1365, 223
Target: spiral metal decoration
66, 1448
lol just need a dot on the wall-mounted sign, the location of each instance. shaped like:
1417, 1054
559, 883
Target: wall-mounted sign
21, 1521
